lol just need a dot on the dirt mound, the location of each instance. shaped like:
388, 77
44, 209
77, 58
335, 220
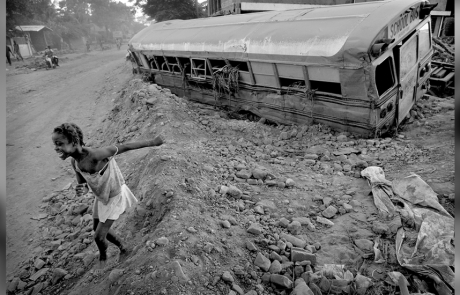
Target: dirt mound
227, 207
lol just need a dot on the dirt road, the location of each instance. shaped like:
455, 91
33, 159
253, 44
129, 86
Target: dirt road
79, 91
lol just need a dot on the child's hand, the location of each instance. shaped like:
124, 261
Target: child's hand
81, 189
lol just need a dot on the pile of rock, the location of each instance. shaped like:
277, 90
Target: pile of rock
67, 233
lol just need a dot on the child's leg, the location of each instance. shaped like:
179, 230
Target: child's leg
110, 236
100, 233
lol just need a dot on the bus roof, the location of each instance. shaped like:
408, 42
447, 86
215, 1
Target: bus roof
307, 32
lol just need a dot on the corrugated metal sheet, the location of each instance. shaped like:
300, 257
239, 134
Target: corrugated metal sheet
323, 31
32, 28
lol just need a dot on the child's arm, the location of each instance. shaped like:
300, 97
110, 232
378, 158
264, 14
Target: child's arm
82, 186
103, 153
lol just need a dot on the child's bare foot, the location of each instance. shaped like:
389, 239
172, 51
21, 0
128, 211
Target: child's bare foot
100, 267
125, 252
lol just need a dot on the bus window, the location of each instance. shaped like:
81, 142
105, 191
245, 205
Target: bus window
424, 40
384, 77
199, 68
408, 57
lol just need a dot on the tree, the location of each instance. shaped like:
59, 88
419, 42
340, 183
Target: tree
162, 10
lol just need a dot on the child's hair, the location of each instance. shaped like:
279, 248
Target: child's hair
71, 131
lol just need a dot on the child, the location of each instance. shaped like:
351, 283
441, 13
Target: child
96, 168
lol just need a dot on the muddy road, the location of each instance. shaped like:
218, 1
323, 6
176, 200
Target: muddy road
78, 91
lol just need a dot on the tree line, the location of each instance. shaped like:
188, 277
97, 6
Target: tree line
70, 19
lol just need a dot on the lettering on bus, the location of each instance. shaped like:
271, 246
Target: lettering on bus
404, 23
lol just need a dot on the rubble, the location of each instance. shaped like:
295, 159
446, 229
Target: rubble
257, 210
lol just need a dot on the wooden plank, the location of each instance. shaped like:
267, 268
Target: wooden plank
277, 78
306, 78
253, 80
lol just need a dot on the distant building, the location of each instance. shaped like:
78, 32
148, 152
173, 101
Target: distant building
40, 37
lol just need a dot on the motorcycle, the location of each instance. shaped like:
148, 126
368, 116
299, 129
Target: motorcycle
51, 62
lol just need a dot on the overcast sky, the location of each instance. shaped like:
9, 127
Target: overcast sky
138, 11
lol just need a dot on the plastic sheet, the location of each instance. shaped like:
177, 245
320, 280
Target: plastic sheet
433, 255
381, 189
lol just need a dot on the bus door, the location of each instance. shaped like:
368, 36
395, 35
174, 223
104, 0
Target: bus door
407, 54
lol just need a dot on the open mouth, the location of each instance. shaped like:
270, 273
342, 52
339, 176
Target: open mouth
62, 155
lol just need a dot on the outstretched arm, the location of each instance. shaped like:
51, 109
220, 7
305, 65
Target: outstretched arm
109, 151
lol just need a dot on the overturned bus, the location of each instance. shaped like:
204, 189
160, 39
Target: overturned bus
354, 67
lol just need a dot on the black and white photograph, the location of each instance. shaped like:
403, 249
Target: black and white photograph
229, 147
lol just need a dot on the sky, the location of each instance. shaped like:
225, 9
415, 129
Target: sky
138, 11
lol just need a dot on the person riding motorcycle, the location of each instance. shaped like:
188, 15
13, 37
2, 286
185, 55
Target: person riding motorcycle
50, 58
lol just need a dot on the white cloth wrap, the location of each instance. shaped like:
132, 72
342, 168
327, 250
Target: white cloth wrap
116, 205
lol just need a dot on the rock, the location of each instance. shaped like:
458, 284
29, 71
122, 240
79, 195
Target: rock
255, 228
266, 277
37, 288
250, 246
362, 283
267, 204
38, 274
39, 263
341, 138
88, 259
244, 174
315, 289
302, 289
259, 210
81, 209
311, 156
223, 190
58, 274
271, 182
294, 227
380, 228
225, 223
115, 275
75, 221
330, 212
227, 277
163, 241
324, 221
348, 208
355, 203
327, 201
283, 222
290, 182
259, 173
177, 270
13, 284
275, 256
192, 230
237, 289
262, 262
325, 285
365, 245
234, 192
300, 255
284, 135
295, 241
275, 267
281, 281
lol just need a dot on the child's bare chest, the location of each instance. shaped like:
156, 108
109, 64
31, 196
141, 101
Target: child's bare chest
92, 166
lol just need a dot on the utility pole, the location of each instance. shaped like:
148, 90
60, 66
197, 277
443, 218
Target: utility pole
196, 6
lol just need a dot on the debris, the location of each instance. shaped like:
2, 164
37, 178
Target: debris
432, 256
